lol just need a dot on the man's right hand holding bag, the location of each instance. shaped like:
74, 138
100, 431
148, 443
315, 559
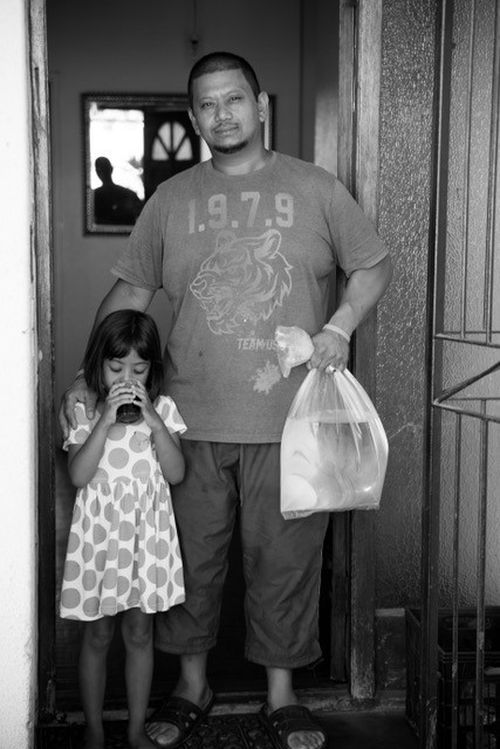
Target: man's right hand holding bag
334, 448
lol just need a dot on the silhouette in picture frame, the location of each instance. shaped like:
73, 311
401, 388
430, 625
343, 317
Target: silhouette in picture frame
113, 203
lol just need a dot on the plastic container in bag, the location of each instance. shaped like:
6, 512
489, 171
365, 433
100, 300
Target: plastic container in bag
334, 448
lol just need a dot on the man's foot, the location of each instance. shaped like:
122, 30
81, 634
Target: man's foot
177, 718
295, 727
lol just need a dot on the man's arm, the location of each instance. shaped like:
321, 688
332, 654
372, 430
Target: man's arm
122, 295
362, 292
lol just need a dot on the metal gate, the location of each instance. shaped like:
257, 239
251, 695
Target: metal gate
459, 689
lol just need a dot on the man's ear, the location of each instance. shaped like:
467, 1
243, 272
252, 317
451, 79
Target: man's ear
263, 105
193, 121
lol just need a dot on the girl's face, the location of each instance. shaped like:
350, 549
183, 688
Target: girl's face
130, 367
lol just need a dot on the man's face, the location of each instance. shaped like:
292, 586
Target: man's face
225, 111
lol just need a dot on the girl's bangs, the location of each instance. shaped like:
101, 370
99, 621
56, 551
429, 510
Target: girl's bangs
120, 347
117, 349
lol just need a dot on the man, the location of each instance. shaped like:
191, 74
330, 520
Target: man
241, 244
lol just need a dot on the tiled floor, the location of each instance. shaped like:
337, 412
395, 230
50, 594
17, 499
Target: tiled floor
353, 730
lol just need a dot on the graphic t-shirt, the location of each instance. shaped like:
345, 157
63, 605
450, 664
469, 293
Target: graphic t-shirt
237, 256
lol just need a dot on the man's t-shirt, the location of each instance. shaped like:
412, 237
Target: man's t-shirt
238, 256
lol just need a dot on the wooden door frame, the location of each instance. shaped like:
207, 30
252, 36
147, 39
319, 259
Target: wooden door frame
360, 46
43, 268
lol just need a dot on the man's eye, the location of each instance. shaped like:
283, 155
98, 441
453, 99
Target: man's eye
115, 370
140, 371
206, 105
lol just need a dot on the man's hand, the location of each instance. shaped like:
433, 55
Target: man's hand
362, 292
78, 391
330, 350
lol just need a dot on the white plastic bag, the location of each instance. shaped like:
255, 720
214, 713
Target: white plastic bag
294, 347
334, 448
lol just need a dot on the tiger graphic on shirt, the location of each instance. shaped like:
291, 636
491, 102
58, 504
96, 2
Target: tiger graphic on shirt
242, 282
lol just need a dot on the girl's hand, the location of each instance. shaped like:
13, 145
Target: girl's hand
142, 399
119, 394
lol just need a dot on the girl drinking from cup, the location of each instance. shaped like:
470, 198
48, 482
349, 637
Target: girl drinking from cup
123, 555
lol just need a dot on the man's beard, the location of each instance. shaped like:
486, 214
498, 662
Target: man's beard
226, 150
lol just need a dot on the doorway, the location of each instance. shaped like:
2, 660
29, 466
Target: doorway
348, 540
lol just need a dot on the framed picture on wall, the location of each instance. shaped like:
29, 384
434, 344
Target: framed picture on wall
132, 142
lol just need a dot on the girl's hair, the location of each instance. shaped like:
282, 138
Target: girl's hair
113, 338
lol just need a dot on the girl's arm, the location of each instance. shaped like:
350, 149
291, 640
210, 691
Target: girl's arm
169, 452
83, 460
167, 445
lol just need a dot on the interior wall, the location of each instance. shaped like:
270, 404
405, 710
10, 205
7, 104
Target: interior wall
128, 47
320, 86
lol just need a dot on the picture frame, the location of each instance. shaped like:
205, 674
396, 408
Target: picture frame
131, 143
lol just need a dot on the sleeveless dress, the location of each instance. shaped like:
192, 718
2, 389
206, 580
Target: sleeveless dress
123, 550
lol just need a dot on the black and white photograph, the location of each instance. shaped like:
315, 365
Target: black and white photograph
251, 380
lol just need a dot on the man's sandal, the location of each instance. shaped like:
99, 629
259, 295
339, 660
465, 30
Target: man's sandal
181, 713
292, 719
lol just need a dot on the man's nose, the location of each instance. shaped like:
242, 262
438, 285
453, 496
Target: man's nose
222, 112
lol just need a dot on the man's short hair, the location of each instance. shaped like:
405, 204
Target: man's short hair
217, 61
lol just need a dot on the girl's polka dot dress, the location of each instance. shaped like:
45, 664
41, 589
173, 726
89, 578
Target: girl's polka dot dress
123, 551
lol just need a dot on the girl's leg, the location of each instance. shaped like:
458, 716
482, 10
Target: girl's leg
96, 640
137, 630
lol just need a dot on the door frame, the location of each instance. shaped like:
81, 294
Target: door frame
360, 54
43, 268
360, 33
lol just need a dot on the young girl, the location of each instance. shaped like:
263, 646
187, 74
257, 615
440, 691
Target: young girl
123, 551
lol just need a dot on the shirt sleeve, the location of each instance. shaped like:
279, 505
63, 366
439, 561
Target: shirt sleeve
169, 414
357, 244
141, 262
83, 428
